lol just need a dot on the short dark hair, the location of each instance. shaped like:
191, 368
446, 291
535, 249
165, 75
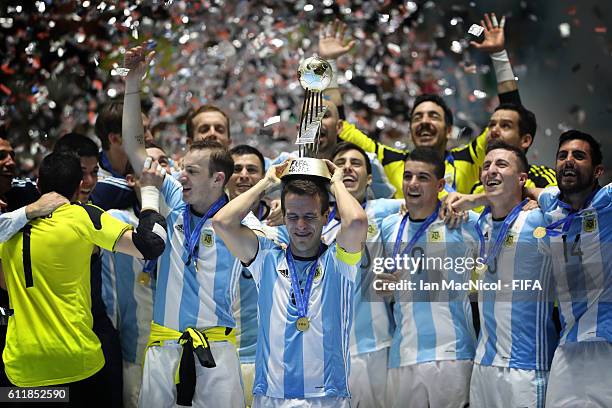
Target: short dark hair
78, 144
448, 114
220, 159
109, 121
60, 172
346, 146
243, 149
305, 187
518, 152
573, 134
204, 108
527, 119
430, 156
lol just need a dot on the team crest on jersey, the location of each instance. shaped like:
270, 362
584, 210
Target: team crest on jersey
318, 273
372, 230
448, 178
207, 238
509, 241
435, 236
589, 223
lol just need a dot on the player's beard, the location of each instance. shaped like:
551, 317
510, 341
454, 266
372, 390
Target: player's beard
584, 181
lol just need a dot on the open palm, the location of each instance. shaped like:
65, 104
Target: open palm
494, 35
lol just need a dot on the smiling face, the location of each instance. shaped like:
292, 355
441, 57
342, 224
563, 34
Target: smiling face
504, 126
356, 178
427, 126
89, 166
420, 184
501, 176
248, 171
304, 222
575, 170
211, 125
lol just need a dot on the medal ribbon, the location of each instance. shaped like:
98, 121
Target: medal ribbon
301, 301
398, 240
192, 238
567, 221
496, 247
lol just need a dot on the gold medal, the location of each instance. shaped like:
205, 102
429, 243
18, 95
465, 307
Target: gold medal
302, 324
144, 278
539, 232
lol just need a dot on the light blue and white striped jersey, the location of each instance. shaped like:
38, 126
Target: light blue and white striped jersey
582, 266
429, 329
372, 320
187, 296
245, 305
381, 187
129, 303
517, 333
313, 363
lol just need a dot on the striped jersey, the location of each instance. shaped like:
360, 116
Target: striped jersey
313, 363
516, 326
582, 266
189, 294
429, 329
245, 304
127, 297
371, 321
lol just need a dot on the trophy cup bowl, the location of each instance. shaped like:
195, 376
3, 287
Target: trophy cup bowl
306, 167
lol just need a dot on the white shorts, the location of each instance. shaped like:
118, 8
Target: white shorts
215, 387
435, 384
368, 379
507, 387
248, 377
261, 401
581, 375
132, 379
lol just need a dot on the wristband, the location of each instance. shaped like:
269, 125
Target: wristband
149, 197
334, 79
502, 67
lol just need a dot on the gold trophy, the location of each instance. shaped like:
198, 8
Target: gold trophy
315, 75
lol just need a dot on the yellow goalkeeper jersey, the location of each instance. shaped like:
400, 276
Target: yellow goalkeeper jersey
47, 272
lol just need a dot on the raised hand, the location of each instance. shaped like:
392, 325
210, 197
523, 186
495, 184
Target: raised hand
152, 174
137, 60
493, 33
331, 41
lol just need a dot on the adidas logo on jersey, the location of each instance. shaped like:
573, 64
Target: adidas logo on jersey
179, 228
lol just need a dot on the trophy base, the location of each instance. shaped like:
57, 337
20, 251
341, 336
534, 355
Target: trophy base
306, 167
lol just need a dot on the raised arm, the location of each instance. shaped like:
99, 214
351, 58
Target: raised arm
494, 45
12, 222
132, 131
241, 240
333, 45
353, 219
